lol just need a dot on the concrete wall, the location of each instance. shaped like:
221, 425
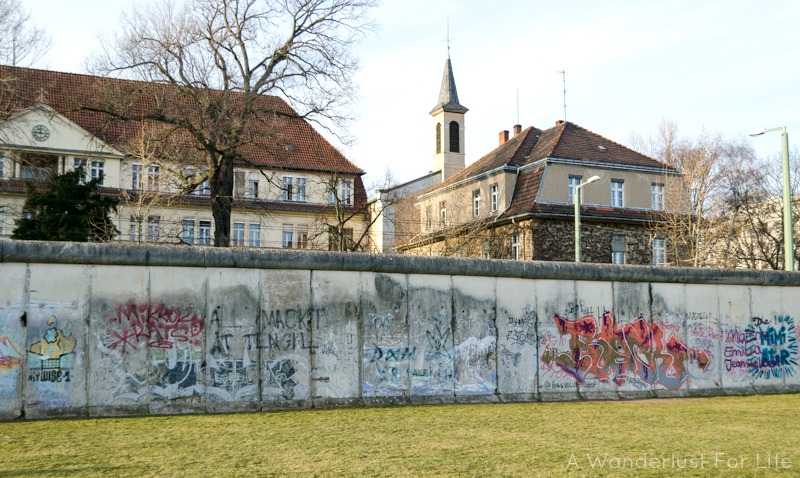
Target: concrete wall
98, 330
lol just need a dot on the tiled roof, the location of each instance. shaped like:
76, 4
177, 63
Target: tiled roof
525, 192
282, 141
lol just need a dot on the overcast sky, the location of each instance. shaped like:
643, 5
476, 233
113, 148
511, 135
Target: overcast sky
727, 66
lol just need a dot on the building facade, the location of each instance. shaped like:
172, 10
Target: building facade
297, 191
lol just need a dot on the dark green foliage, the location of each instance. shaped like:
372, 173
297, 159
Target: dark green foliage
67, 211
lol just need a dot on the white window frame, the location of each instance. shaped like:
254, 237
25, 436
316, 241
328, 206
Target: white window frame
97, 170
617, 193
288, 193
204, 232
252, 187
80, 163
134, 229
572, 183
301, 237
187, 231
153, 226
659, 251
618, 255
136, 175
153, 176
300, 190
287, 236
346, 191
657, 196
238, 234
254, 235
515, 247
494, 196
443, 213
476, 203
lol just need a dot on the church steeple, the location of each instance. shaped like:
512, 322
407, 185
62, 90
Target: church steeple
448, 117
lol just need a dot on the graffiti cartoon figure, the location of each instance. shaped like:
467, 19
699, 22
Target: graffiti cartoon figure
54, 343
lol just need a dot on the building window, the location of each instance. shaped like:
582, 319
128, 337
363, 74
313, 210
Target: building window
97, 171
494, 197
288, 236
659, 252
252, 186
187, 234
347, 192
136, 176
203, 189
572, 185
204, 232
429, 217
2, 219
454, 140
134, 229
238, 233
300, 189
515, 247
657, 197
616, 193
153, 173
438, 138
152, 228
80, 164
302, 237
255, 235
288, 188
443, 213
618, 248
343, 242
476, 202
2, 165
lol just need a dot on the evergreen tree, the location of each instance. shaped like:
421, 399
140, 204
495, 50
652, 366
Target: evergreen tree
67, 210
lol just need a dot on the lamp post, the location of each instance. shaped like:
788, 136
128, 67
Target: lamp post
576, 194
788, 233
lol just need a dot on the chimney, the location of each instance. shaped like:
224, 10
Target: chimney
517, 129
503, 136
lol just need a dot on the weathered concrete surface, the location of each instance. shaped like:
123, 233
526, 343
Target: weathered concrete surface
90, 330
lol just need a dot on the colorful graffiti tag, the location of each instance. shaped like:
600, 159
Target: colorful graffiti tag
10, 355
50, 355
771, 347
160, 326
612, 352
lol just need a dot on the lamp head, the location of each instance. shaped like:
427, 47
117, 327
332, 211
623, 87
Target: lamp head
757, 132
592, 179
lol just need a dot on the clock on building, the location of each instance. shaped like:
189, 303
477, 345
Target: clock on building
40, 132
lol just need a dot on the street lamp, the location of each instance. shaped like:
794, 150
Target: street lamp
788, 233
576, 200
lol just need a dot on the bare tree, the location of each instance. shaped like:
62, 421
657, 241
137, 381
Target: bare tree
220, 58
20, 43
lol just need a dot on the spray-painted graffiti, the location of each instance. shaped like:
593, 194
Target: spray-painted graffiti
50, 355
233, 374
522, 330
282, 377
771, 347
290, 329
386, 356
10, 355
157, 324
610, 352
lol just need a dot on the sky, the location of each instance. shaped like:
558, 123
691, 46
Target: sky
723, 66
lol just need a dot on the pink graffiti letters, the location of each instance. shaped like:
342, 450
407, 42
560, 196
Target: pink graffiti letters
612, 352
160, 326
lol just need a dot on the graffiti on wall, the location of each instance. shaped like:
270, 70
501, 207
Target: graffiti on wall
615, 353
233, 372
10, 355
172, 334
771, 347
50, 356
158, 325
386, 357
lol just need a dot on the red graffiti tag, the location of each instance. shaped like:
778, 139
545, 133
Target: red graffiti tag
161, 326
612, 352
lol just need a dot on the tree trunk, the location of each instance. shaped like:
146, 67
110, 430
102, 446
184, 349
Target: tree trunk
222, 200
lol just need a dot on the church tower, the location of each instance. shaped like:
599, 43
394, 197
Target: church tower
448, 118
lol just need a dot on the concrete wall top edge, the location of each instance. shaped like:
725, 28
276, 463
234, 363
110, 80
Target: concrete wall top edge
185, 256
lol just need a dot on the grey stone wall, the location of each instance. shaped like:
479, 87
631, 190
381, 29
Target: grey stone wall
102, 330
554, 240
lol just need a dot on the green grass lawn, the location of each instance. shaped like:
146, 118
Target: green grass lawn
722, 436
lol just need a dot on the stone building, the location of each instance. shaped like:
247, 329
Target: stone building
292, 189
516, 202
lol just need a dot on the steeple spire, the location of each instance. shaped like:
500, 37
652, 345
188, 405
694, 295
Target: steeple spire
448, 95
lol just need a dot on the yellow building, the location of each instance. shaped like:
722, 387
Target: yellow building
292, 188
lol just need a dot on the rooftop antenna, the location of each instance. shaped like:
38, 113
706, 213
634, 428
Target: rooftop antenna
448, 37
564, 91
